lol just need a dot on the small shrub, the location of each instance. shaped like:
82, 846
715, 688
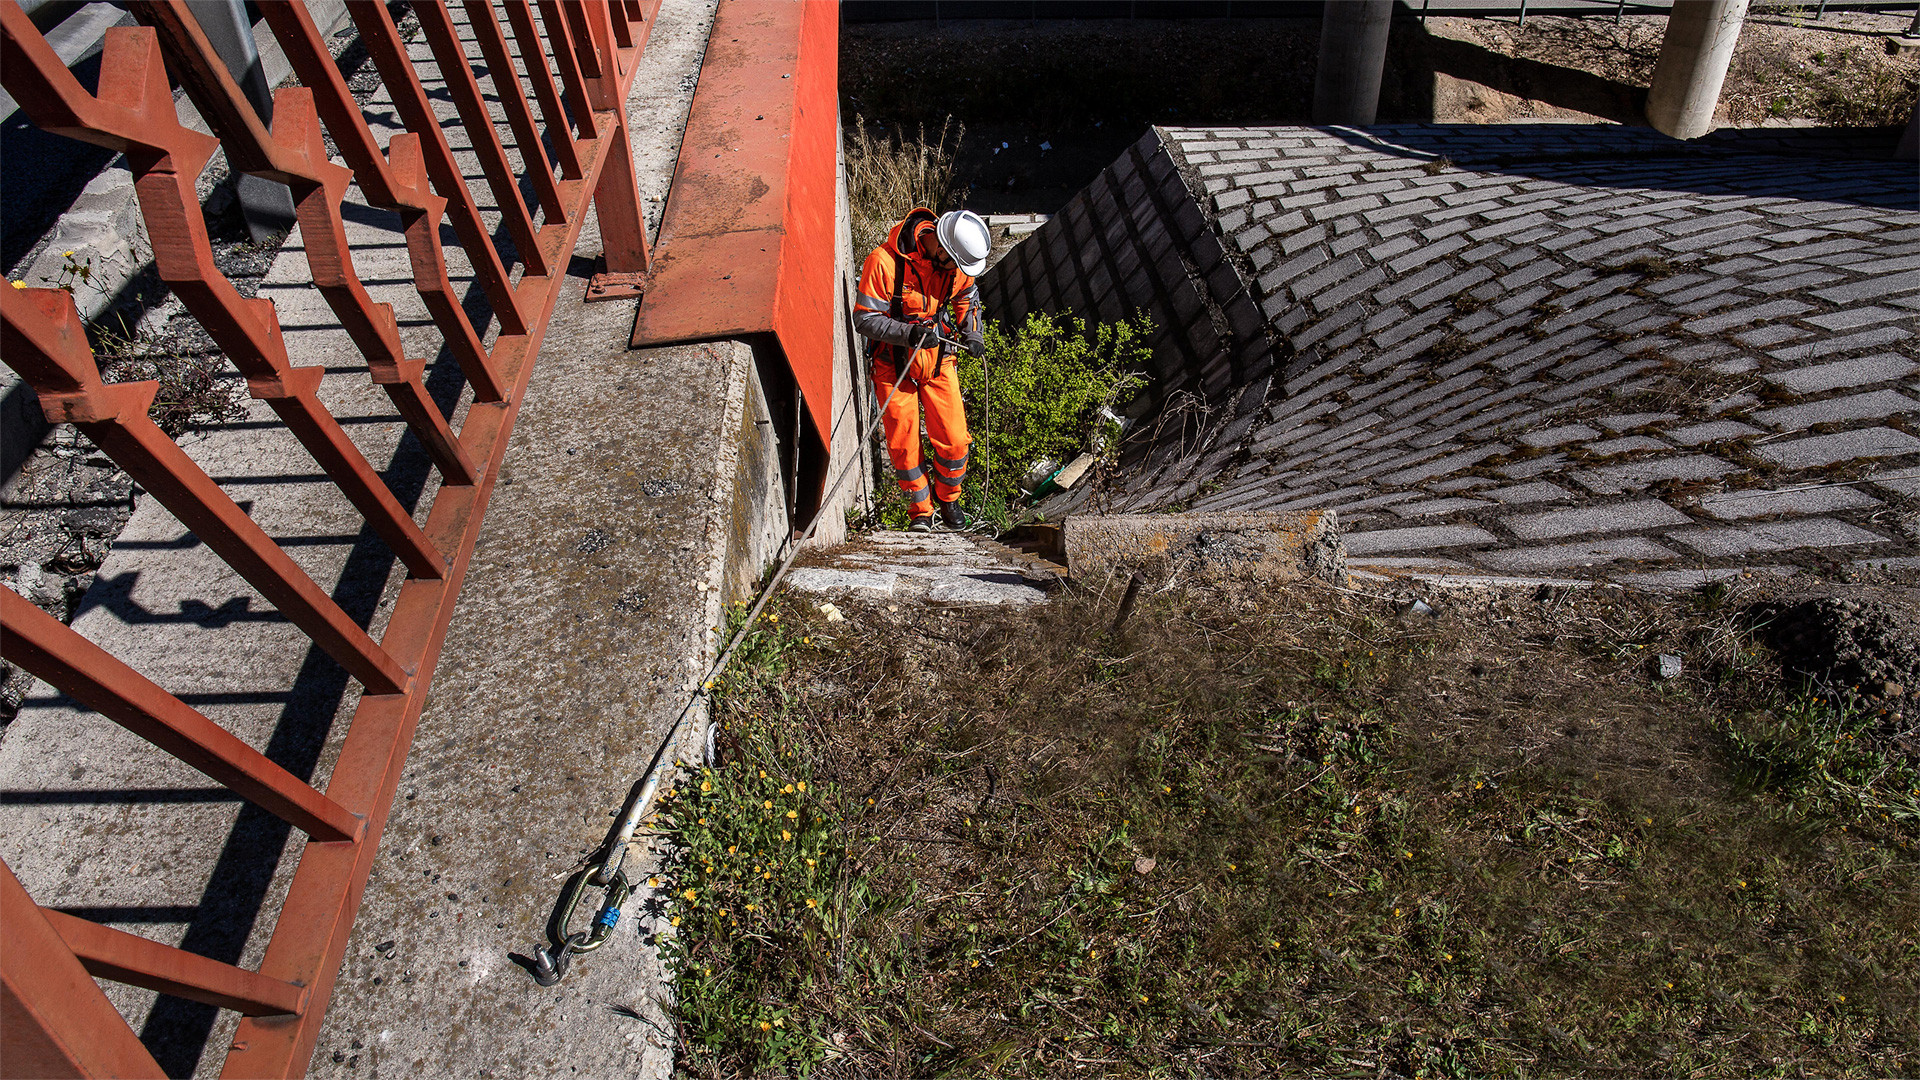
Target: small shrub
1050, 378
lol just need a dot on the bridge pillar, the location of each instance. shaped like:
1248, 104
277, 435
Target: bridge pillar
1353, 51
1693, 61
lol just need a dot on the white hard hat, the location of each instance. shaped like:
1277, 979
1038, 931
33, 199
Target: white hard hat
966, 239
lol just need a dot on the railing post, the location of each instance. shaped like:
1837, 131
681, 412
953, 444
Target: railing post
54, 1021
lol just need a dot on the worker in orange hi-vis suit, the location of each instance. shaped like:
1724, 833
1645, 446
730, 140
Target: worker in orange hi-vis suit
915, 289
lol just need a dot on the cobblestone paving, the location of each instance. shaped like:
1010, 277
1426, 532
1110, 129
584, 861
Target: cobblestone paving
1567, 350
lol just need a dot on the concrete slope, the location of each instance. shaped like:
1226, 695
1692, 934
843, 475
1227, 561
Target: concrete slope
1520, 350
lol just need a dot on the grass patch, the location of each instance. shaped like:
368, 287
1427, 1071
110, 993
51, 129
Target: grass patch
1294, 834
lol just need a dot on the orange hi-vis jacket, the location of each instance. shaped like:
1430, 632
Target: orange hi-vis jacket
926, 294
899, 287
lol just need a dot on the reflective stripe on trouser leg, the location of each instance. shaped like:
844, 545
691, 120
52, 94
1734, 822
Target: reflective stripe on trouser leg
947, 431
901, 423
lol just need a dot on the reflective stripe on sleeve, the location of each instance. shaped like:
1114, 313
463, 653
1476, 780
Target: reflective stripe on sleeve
870, 303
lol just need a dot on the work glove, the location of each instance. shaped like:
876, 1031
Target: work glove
976, 345
922, 336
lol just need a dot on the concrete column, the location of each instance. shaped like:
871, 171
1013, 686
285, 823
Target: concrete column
1353, 52
1699, 43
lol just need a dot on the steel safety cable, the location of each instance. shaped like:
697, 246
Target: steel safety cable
549, 963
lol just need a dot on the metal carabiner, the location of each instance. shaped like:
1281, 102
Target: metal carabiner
617, 890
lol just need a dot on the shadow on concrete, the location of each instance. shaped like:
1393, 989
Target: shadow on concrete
116, 797
176, 1030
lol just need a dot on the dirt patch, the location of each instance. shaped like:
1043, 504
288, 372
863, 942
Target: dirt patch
1308, 832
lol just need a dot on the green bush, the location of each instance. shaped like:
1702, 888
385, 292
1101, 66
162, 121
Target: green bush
1050, 377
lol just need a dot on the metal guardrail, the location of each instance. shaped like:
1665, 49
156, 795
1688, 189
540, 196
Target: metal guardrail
54, 1020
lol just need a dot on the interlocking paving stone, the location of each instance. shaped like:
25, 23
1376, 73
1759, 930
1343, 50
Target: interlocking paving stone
1629, 421
1623, 517
1780, 536
1712, 431
1432, 507
1417, 538
1736, 505
1618, 479
1873, 442
1557, 436
1627, 445
1877, 405
1904, 481
1583, 553
1861, 371
1537, 492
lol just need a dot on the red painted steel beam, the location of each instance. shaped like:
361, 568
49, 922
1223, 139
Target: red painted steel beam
748, 242
107, 953
90, 675
54, 1021
310, 938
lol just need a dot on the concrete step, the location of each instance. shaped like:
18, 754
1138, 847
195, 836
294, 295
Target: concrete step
940, 568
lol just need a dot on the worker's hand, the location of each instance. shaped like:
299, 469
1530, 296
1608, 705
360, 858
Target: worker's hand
976, 345
922, 336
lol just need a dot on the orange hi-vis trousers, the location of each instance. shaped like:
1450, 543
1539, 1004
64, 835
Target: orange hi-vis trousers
946, 430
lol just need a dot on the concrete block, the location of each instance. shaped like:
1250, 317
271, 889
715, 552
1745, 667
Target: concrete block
1583, 553
817, 579
1628, 445
1272, 547
1876, 405
1619, 479
1714, 431
1558, 435
1537, 492
1873, 442
1418, 538
1435, 507
1782, 536
1861, 371
1623, 517
1737, 505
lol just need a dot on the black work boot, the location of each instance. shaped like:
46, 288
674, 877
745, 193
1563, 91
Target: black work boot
952, 516
921, 524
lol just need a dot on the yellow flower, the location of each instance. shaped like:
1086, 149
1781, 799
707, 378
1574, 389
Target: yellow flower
763, 772
709, 685
775, 617
976, 963
806, 641
1396, 913
811, 902
703, 821
793, 813
764, 1026
1231, 867
802, 785
768, 805
1166, 788
1448, 956
691, 894
788, 789
67, 254
706, 785
731, 849
19, 284
675, 920
785, 835
810, 862
653, 883
749, 907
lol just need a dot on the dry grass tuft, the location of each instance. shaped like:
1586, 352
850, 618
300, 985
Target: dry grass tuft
1309, 834
888, 175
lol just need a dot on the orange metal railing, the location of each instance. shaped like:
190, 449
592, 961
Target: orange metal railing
579, 58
